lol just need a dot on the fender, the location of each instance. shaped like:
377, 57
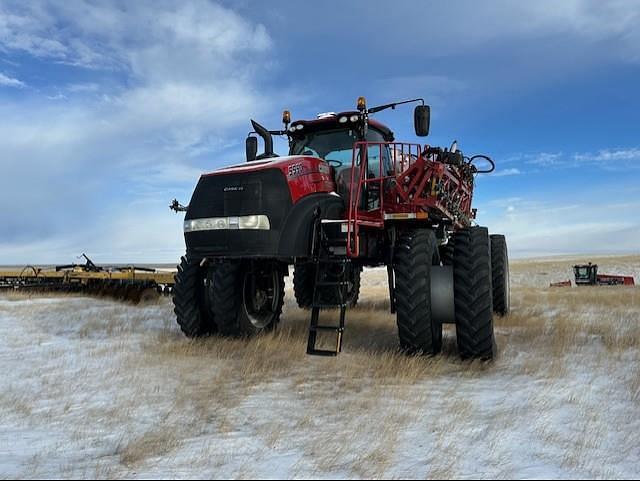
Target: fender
295, 240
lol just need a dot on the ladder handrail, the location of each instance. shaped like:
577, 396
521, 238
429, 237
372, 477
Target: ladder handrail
361, 150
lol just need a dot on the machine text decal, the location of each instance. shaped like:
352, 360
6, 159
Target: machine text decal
294, 170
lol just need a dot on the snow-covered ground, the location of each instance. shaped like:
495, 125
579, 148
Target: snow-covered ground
94, 388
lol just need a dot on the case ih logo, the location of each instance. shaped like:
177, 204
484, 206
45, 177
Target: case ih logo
237, 188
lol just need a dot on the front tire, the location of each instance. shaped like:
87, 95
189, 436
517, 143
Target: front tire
191, 295
247, 298
419, 332
473, 294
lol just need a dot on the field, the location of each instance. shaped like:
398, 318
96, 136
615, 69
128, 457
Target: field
93, 388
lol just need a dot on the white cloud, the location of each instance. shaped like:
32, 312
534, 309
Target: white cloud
6, 81
24, 27
569, 225
545, 159
609, 155
608, 158
506, 172
84, 165
151, 38
83, 87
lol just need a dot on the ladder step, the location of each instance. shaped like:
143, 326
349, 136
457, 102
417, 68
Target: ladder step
334, 260
333, 284
329, 306
327, 328
321, 352
370, 223
335, 243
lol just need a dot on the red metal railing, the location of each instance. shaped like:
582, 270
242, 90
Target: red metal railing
393, 158
406, 182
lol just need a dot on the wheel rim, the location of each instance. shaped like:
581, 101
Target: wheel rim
261, 295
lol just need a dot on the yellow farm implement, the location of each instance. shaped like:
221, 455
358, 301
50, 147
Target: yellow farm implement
127, 283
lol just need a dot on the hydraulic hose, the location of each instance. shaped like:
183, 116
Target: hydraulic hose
484, 157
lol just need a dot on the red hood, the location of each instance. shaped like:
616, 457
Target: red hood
281, 163
305, 174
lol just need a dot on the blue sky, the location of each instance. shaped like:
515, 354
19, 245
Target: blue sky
108, 110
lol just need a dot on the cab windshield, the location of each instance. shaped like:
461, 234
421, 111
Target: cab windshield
582, 272
336, 147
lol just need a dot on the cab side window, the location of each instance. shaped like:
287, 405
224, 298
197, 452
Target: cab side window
375, 154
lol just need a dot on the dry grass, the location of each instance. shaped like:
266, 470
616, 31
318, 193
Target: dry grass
127, 394
151, 444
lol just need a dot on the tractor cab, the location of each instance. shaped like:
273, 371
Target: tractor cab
586, 274
331, 138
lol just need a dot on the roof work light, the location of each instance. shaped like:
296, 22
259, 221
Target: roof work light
362, 104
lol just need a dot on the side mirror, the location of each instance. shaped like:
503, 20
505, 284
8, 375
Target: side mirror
422, 119
251, 148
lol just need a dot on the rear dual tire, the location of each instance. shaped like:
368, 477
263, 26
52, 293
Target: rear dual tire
419, 332
469, 254
472, 271
500, 275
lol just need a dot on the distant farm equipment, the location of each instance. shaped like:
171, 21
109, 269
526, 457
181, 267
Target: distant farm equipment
587, 275
127, 283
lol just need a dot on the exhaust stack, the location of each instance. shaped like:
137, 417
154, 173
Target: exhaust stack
266, 137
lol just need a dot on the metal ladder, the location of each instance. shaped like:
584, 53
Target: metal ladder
325, 280
341, 285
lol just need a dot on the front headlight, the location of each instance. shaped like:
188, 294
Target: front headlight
220, 223
248, 222
258, 222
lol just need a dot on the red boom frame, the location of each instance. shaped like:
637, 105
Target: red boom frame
415, 185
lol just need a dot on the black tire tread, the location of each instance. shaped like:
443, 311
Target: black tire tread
447, 253
276, 321
227, 298
355, 295
499, 277
415, 253
187, 293
304, 275
473, 294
